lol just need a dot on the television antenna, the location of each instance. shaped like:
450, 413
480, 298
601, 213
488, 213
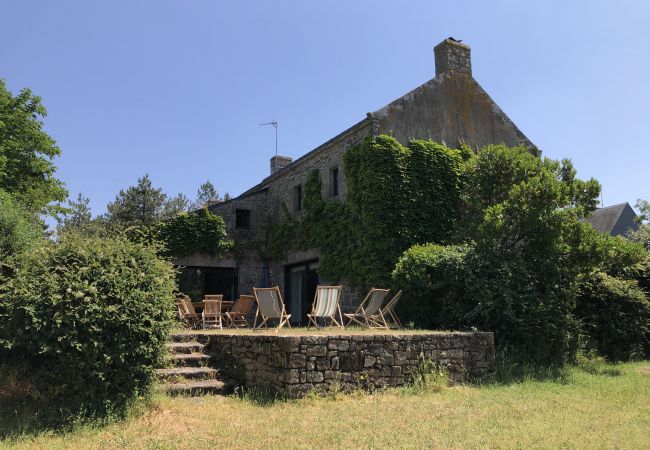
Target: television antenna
275, 125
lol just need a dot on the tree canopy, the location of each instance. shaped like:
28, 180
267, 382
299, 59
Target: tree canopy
26, 153
143, 204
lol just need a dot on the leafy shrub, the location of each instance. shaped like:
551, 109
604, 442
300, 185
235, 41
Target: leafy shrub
18, 231
462, 287
433, 280
595, 364
88, 317
615, 316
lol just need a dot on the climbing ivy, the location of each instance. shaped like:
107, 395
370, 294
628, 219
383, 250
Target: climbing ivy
396, 196
199, 231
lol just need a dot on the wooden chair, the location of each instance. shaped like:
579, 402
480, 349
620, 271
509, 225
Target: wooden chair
389, 311
325, 306
369, 312
212, 315
270, 306
242, 307
186, 311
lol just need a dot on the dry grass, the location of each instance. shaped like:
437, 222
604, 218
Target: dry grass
589, 411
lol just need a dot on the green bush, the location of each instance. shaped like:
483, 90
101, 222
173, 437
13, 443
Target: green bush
615, 317
88, 317
462, 287
433, 280
18, 231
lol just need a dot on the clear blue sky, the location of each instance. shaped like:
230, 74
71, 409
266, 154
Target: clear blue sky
176, 89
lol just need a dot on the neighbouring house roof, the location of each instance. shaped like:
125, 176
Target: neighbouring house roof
615, 220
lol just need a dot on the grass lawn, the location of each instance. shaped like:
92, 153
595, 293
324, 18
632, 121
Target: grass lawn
580, 410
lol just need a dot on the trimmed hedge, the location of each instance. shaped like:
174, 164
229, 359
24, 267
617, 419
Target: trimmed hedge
88, 317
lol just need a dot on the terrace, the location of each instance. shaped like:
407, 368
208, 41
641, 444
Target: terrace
296, 361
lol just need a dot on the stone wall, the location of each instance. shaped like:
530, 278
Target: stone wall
295, 365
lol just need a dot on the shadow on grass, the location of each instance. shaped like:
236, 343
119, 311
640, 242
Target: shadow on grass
511, 369
260, 396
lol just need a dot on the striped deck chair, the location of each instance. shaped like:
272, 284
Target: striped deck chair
186, 311
237, 315
270, 306
388, 311
326, 305
369, 312
212, 315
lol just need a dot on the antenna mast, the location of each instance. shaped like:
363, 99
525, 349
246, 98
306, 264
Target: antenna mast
275, 125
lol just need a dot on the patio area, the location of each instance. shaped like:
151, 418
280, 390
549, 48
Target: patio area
296, 361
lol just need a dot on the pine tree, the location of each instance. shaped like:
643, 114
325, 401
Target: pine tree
138, 205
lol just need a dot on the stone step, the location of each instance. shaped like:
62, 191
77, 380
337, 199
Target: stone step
194, 373
189, 359
184, 347
196, 388
188, 336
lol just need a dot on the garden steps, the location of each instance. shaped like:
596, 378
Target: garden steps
185, 347
198, 388
190, 359
194, 373
189, 375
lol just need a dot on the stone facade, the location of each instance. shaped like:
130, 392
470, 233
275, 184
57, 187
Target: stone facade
450, 108
295, 365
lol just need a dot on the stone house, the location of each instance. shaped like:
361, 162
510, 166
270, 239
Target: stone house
450, 108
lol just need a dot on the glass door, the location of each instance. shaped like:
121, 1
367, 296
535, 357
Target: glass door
301, 281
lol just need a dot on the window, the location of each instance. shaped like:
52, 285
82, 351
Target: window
334, 182
243, 218
297, 198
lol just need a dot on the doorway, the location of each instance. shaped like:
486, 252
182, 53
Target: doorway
197, 282
300, 287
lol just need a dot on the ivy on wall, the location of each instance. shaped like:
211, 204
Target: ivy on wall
199, 231
397, 196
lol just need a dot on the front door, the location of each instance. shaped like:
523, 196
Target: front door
301, 281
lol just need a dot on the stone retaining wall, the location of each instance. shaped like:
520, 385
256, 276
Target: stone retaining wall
296, 365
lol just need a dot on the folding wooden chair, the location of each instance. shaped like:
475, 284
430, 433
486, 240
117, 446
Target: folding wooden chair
369, 312
212, 315
270, 306
186, 311
237, 315
389, 311
326, 305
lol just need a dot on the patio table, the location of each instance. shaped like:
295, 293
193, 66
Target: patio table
226, 305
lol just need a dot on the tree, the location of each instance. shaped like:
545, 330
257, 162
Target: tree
206, 195
644, 211
26, 153
138, 205
642, 235
175, 206
78, 213
524, 250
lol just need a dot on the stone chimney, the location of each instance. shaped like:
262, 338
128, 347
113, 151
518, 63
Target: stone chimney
452, 55
278, 162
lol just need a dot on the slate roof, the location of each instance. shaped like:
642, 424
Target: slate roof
614, 220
